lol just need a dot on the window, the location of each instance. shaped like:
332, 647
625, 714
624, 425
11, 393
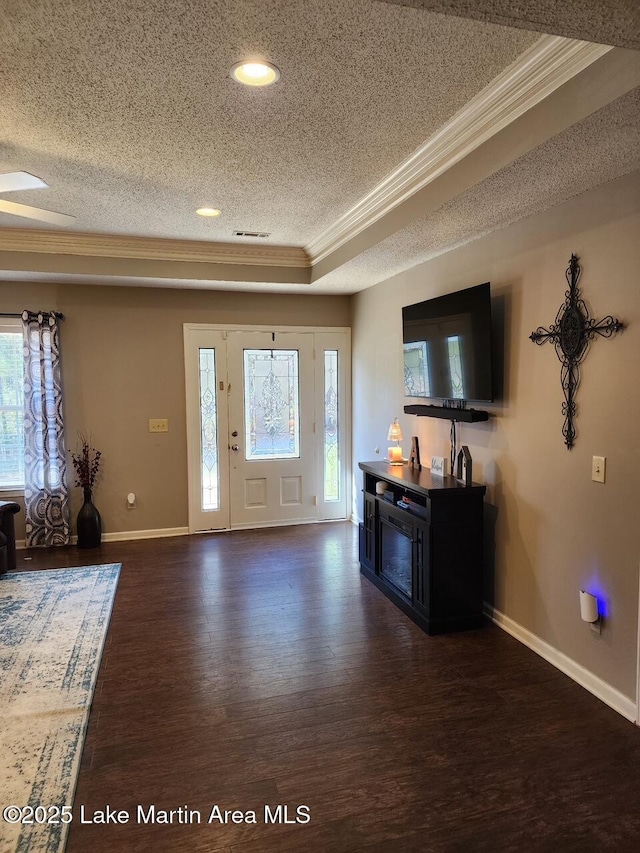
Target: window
11, 405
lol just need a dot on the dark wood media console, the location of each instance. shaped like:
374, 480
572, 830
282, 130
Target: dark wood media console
426, 554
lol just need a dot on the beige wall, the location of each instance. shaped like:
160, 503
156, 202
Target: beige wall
123, 363
556, 530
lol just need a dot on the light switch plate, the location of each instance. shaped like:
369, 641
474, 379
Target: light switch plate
158, 425
598, 468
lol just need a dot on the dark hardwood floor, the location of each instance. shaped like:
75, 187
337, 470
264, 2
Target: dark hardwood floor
258, 667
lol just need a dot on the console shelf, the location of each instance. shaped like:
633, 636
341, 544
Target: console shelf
466, 416
421, 544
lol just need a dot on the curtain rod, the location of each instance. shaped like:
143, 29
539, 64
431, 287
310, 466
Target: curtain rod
56, 314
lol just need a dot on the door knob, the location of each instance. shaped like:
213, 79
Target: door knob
235, 433
235, 447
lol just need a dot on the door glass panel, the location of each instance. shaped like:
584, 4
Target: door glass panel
331, 432
209, 430
271, 407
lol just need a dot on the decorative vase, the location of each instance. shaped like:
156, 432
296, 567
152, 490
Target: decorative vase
89, 523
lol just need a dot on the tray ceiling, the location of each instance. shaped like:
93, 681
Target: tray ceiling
128, 112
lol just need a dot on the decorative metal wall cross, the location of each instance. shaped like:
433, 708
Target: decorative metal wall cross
571, 333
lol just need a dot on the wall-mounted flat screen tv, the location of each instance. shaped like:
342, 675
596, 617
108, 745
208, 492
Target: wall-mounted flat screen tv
447, 346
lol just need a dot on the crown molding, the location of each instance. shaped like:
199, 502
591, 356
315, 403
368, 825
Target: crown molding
539, 71
77, 243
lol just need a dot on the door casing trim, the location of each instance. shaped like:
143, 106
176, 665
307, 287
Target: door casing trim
277, 329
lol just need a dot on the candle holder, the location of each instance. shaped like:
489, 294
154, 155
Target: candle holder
395, 452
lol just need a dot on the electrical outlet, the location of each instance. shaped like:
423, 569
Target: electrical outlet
158, 425
598, 467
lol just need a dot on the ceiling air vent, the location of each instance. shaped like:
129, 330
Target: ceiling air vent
251, 234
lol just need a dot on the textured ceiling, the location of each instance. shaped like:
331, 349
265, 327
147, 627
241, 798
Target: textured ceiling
126, 108
615, 22
601, 148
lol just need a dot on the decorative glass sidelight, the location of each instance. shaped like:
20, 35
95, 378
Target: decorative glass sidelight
416, 369
455, 367
271, 404
209, 431
331, 431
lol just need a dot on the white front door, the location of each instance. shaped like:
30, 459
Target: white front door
267, 426
271, 426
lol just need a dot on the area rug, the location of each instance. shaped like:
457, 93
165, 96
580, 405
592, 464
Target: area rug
52, 630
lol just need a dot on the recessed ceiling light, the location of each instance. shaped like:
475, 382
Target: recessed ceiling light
208, 211
255, 72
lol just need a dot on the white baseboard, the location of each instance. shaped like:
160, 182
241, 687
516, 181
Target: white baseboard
160, 533
261, 525
126, 535
603, 690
